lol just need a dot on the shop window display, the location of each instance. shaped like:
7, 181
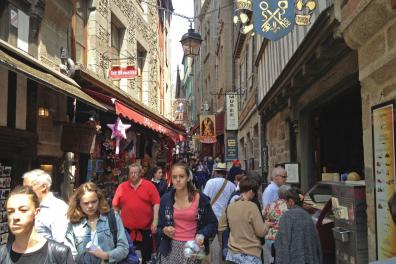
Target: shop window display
108, 169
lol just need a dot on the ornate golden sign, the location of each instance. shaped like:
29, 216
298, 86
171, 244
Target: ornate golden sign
304, 12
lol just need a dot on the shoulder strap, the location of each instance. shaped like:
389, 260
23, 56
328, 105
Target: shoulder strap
219, 192
228, 224
112, 225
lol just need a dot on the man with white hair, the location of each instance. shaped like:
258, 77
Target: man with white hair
51, 221
278, 178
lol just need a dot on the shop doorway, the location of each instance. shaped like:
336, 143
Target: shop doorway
338, 135
207, 150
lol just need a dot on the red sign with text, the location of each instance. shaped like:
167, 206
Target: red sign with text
118, 72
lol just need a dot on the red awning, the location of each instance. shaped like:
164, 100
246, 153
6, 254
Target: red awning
145, 121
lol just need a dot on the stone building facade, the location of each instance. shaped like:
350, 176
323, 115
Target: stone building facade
245, 83
52, 52
369, 27
316, 91
213, 76
165, 85
33, 90
125, 33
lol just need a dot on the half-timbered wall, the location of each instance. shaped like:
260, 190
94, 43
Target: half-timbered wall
278, 53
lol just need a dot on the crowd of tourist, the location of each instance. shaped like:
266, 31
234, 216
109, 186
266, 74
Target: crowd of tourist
218, 217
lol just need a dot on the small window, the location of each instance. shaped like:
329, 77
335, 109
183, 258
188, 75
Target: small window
79, 25
141, 61
115, 43
117, 37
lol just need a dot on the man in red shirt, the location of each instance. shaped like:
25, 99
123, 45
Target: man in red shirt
138, 201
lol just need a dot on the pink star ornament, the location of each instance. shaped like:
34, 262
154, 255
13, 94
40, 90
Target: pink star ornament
118, 132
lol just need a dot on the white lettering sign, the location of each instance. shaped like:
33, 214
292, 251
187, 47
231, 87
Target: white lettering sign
232, 111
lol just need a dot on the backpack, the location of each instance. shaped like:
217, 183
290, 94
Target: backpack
132, 258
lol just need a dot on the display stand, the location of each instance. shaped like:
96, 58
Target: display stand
5, 184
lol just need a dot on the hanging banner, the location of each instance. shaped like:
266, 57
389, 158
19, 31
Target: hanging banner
207, 129
231, 148
383, 122
180, 115
273, 19
232, 111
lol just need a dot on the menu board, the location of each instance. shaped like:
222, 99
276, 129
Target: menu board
5, 185
293, 172
384, 176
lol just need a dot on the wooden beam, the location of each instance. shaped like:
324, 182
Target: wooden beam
296, 83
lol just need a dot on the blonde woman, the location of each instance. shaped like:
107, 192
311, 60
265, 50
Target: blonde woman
89, 235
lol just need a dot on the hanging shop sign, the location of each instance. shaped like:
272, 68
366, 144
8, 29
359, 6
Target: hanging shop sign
243, 5
383, 127
232, 111
78, 138
304, 10
180, 112
118, 72
231, 149
207, 129
273, 19
242, 9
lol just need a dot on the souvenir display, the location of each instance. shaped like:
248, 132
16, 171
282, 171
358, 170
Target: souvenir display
5, 185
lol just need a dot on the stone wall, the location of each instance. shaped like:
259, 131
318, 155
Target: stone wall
53, 32
249, 135
278, 139
140, 25
376, 45
53, 35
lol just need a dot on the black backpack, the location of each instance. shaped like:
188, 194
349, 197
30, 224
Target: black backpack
132, 257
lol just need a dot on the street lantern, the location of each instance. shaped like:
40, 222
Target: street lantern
191, 43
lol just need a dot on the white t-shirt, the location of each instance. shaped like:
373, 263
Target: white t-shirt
212, 187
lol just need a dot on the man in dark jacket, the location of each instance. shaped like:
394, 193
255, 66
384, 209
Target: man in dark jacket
235, 170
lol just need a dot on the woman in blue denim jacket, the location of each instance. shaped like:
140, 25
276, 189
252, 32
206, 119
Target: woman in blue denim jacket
88, 234
183, 192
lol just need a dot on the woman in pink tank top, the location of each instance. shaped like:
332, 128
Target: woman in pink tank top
185, 215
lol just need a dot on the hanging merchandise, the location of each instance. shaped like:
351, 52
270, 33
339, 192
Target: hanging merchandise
118, 132
5, 185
